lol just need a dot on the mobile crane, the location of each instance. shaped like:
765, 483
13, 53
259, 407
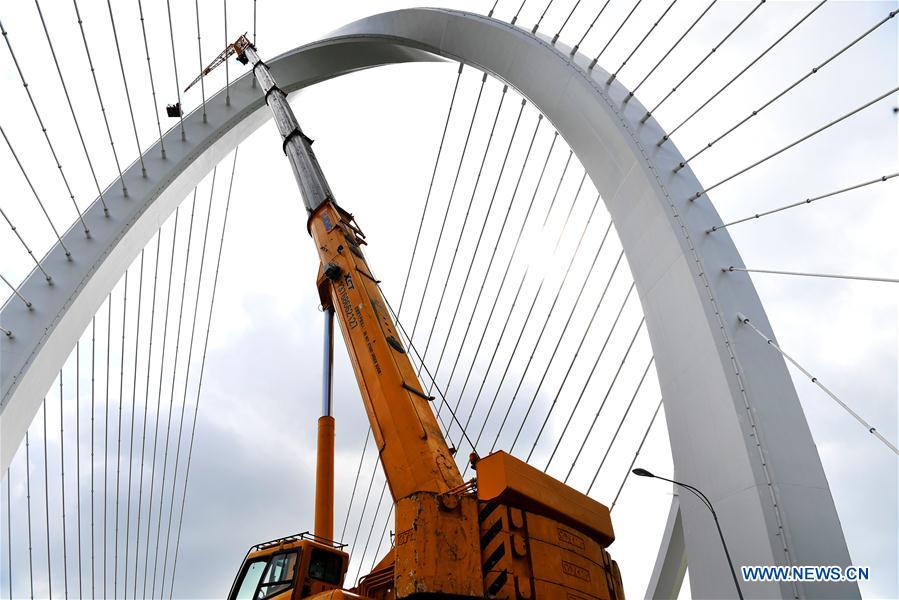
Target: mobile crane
512, 532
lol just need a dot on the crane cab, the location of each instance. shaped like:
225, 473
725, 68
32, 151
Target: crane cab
299, 566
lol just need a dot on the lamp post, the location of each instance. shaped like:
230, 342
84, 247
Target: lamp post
696, 492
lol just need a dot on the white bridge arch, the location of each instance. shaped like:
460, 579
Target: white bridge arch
736, 427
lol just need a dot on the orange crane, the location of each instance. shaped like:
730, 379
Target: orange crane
511, 532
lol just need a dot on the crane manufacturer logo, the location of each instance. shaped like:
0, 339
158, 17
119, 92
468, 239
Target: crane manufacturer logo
566, 537
342, 292
575, 571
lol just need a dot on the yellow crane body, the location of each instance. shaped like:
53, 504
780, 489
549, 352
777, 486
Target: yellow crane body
512, 532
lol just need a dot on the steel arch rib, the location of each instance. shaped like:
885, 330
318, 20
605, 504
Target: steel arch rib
737, 429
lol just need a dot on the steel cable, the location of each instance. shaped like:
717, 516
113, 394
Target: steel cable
804, 202
65, 90
570, 364
62, 488
743, 70
599, 356
502, 230
714, 49
165, 328
614, 35
627, 410
474, 192
115, 35
604, 399
118, 470
791, 144
424, 211
143, 443
533, 352
190, 349
636, 454
670, 50
505, 272
36, 196
90, 63
218, 263
40, 121
165, 458
789, 88
143, 29
449, 203
655, 24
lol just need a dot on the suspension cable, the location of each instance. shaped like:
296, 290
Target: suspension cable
614, 35
824, 275
636, 454
580, 397
165, 328
34, 192
543, 14
424, 211
518, 12
143, 443
168, 8
474, 192
62, 488
670, 50
349, 507
743, 70
40, 121
604, 399
200, 58
118, 469
90, 63
577, 351
381, 538
115, 35
227, 72
792, 144
514, 303
614, 75
558, 342
78, 459
708, 55
371, 529
602, 9
565, 22
93, 405
143, 29
790, 87
65, 90
47, 505
218, 263
190, 350
620, 424
9, 531
512, 255
745, 321
28, 503
804, 202
140, 295
449, 203
168, 431
496, 244
527, 318
106, 433
16, 292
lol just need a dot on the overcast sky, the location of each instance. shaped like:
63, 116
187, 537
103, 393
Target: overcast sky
376, 136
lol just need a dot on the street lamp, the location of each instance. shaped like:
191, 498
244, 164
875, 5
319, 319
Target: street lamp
644, 473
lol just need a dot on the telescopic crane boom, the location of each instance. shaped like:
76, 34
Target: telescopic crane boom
513, 533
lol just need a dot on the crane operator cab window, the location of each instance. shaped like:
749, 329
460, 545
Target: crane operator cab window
325, 566
268, 576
